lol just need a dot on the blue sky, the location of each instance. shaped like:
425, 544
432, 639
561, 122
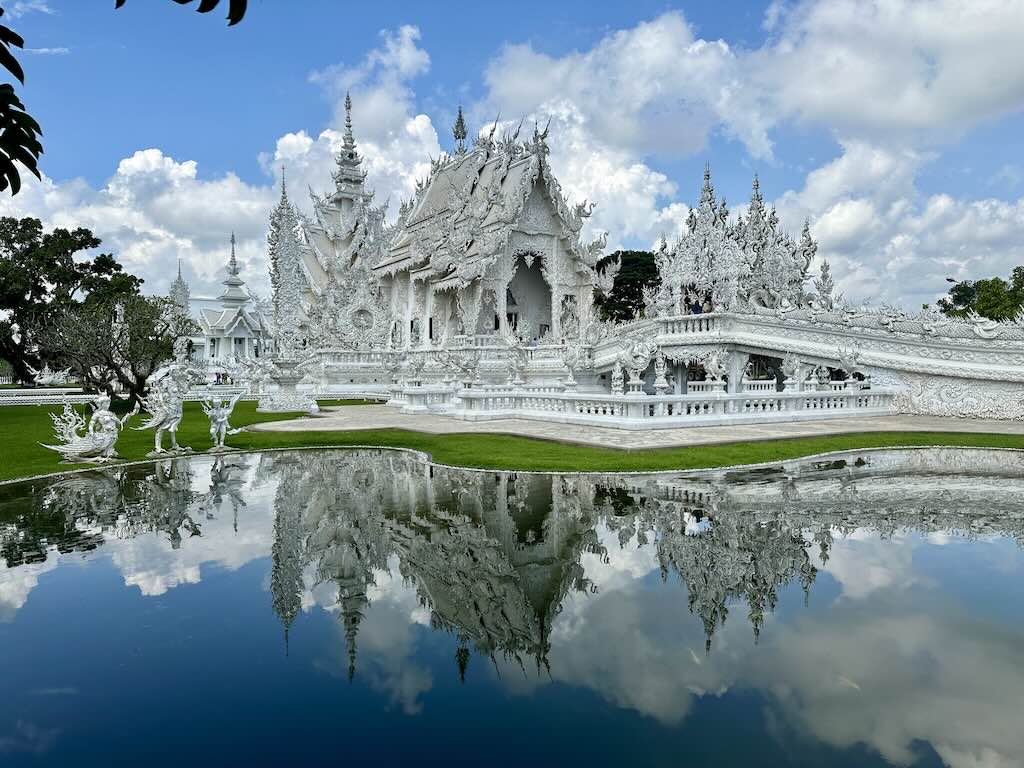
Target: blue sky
894, 126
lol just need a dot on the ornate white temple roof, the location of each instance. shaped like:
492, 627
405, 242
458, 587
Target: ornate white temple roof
463, 214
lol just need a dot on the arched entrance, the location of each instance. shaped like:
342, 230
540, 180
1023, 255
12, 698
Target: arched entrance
528, 302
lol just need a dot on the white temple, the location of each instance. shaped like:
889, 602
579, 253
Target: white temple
232, 325
479, 303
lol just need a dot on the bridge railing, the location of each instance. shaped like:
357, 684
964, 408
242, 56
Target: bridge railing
683, 325
664, 410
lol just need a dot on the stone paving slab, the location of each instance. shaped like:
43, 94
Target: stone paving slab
355, 417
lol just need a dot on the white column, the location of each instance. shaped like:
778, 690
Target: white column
427, 314
501, 297
737, 363
410, 300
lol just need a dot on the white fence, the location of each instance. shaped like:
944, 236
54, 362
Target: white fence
54, 396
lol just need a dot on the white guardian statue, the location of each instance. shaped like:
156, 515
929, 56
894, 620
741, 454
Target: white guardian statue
165, 401
218, 410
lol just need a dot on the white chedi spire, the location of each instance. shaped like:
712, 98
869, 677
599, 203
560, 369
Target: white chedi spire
349, 175
179, 292
234, 292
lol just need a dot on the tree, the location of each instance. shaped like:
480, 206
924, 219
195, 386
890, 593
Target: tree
19, 132
236, 8
118, 340
626, 298
40, 276
993, 298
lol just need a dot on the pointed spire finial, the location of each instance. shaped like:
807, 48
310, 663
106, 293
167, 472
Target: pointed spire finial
348, 118
707, 193
232, 262
179, 267
284, 187
348, 178
459, 132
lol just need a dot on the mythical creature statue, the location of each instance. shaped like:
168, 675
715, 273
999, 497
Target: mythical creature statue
791, 367
714, 365
218, 410
47, 378
414, 365
165, 401
849, 361
823, 376
660, 369
517, 357
462, 364
94, 443
573, 358
636, 358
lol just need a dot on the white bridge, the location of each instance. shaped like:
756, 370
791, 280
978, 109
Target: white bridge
891, 363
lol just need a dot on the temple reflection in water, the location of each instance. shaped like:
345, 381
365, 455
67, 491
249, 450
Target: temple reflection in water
492, 556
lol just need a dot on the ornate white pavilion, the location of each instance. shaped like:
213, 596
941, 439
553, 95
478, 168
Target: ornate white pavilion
232, 326
479, 303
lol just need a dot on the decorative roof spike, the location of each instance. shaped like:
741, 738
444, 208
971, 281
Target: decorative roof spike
348, 160
233, 293
707, 193
459, 132
232, 262
349, 138
494, 128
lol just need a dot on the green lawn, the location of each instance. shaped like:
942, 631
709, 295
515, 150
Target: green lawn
22, 428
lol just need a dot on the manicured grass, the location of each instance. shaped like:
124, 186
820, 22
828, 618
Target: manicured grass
22, 428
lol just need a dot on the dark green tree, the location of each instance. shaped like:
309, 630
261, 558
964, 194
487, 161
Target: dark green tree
626, 299
43, 274
994, 298
19, 132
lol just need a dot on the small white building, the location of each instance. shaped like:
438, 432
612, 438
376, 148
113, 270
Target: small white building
232, 325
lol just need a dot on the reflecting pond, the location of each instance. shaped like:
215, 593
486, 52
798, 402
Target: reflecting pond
320, 607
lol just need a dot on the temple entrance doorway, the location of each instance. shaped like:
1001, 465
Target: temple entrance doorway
529, 305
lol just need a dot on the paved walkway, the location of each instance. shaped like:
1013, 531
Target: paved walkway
352, 417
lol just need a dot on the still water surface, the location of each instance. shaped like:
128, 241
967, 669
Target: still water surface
356, 607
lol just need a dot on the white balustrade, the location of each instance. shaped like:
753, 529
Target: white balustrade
702, 387
759, 385
689, 324
644, 411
